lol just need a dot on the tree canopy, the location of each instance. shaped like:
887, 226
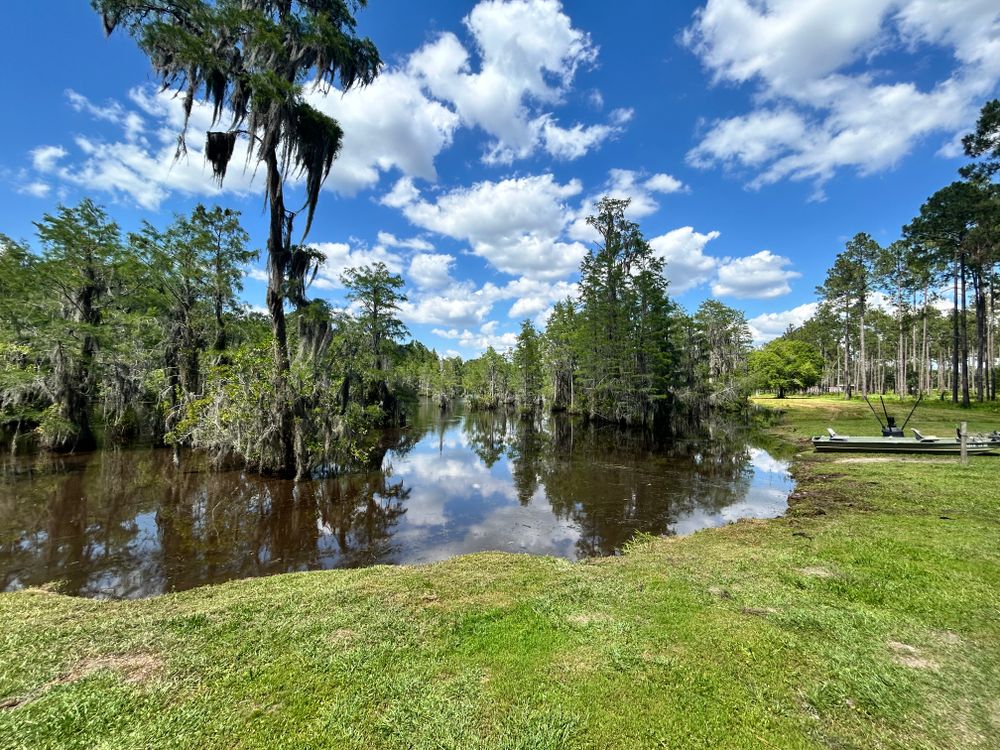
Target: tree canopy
786, 365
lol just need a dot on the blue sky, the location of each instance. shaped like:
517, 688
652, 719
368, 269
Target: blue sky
754, 138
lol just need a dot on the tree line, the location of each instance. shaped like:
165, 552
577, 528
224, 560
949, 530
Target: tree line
620, 351
919, 315
108, 338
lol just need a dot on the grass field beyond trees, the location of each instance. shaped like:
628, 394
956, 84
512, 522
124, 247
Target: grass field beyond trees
868, 617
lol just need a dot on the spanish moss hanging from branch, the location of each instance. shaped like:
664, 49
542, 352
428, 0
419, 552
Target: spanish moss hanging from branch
316, 144
219, 148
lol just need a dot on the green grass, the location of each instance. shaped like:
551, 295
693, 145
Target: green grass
868, 617
812, 415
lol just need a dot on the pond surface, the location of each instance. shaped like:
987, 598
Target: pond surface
129, 523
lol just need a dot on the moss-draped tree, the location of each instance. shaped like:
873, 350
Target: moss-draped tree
80, 272
251, 59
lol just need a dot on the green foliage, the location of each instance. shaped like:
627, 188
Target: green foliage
948, 217
231, 420
19, 381
950, 249
224, 244
251, 61
526, 365
488, 380
560, 345
719, 352
16, 283
786, 365
621, 351
55, 428
983, 144
105, 339
626, 358
191, 273
71, 315
376, 291
231, 417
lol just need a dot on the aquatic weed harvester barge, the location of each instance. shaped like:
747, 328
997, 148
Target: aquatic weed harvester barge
893, 439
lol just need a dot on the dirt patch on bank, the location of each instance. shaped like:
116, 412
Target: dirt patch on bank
819, 491
910, 656
134, 668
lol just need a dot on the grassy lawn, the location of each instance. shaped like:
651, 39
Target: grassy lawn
868, 617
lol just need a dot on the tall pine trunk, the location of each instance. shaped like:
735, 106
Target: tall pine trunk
991, 345
954, 335
847, 350
901, 357
980, 336
925, 351
863, 364
965, 341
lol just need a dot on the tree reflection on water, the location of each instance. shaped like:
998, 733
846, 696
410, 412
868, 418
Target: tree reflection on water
131, 523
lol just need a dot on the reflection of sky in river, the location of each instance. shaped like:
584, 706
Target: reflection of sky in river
459, 505
767, 497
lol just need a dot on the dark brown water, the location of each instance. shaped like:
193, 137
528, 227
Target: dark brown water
130, 523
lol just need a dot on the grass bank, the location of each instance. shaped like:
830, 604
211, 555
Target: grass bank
868, 617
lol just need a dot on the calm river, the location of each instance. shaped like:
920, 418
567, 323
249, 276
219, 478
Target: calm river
129, 523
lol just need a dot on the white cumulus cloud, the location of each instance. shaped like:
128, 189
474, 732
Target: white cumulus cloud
476, 342
624, 184
339, 256
767, 326
516, 225
686, 265
822, 100
528, 54
460, 304
431, 270
759, 276
390, 124
520, 68
142, 166
35, 189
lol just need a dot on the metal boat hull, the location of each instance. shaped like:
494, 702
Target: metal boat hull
949, 446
